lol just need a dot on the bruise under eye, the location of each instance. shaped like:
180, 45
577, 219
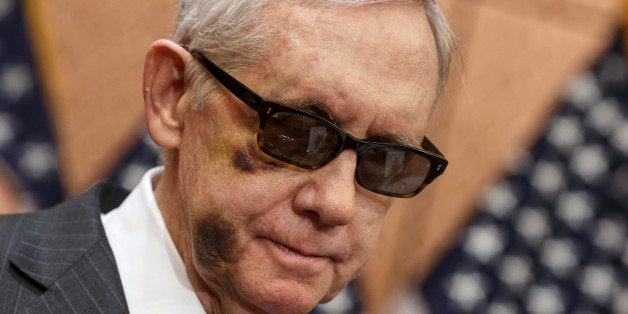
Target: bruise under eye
246, 160
242, 161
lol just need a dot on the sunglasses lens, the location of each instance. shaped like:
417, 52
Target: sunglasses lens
392, 171
309, 143
298, 139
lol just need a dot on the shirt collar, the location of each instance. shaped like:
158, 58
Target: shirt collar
152, 273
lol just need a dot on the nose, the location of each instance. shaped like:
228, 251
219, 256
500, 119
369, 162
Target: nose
329, 195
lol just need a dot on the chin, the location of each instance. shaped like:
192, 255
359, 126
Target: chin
281, 298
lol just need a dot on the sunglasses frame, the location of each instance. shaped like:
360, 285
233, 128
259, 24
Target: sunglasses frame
266, 109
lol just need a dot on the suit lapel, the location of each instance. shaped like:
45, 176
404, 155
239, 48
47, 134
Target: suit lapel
64, 255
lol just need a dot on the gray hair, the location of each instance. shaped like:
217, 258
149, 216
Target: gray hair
234, 33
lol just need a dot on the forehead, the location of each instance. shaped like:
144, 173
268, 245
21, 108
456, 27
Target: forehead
373, 66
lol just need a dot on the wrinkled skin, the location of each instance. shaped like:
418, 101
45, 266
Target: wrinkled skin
257, 235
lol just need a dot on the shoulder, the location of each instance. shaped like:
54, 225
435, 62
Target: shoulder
39, 251
78, 212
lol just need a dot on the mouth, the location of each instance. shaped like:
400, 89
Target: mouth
295, 261
292, 251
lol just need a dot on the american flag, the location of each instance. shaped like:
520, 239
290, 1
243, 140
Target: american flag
549, 238
27, 145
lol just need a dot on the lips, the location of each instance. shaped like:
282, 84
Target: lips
293, 260
307, 244
291, 250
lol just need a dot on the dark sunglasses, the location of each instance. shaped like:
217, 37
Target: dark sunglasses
309, 141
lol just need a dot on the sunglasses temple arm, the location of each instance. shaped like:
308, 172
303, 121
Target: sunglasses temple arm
231, 83
442, 162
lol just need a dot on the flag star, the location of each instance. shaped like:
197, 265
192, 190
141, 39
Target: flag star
532, 225
500, 200
597, 282
516, 272
604, 117
545, 299
565, 133
589, 162
575, 208
38, 159
5, 8
559, 255
484, 242
467, 289
548, 178
610, 235
583, 91
15, 81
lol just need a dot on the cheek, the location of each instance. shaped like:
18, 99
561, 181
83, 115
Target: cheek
364, 235
372, 224
215, 240
207, 169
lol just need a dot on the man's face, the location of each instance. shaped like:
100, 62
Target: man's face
279, 238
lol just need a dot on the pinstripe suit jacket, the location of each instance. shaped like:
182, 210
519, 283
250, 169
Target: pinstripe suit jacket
59, 260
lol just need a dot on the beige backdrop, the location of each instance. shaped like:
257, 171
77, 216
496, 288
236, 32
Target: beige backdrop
517, 56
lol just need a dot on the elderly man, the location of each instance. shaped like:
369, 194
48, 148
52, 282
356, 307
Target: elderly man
287, 127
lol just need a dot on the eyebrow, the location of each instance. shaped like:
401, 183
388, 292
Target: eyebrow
394, 137
317, 107
320, 109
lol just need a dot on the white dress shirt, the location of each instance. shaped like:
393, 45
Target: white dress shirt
152, 272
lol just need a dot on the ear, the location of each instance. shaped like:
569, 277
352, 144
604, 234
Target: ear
164, 86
